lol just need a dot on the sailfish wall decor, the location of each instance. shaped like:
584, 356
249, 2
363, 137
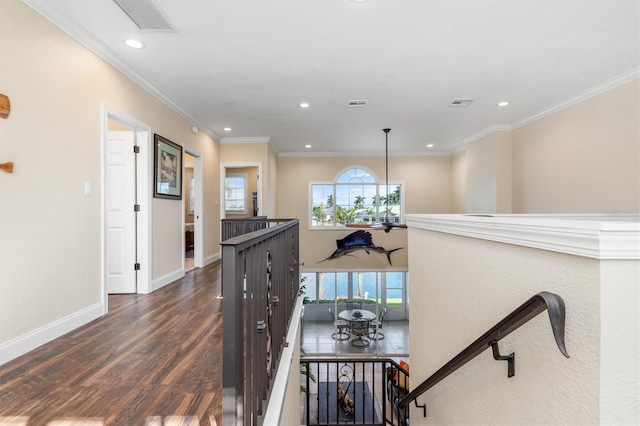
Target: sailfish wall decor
359, 240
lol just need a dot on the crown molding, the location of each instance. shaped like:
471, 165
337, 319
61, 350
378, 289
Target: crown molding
594, 236
490, 130
89, 41
364, 154
612, 83
246, 140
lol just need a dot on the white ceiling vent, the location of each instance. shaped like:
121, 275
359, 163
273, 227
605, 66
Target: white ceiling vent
146, 15
357, 104
461, 103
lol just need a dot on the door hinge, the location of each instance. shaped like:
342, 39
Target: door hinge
136, 149
136, 207
136, 266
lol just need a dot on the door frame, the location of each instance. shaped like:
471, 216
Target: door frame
198, 235
143, 185
223, 174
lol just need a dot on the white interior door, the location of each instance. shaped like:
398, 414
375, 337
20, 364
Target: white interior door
120, 198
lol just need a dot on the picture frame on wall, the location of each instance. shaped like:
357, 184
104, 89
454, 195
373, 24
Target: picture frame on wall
167, 170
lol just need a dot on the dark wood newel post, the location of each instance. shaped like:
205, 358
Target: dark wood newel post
233, 338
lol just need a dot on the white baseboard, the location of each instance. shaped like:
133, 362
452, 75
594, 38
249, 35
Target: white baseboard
28, 342
166, 279
209, 260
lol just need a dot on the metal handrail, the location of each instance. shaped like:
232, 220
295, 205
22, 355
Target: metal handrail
528, 310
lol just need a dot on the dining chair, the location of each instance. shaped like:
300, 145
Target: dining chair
354, 304
342, 328
376, 325
360, 329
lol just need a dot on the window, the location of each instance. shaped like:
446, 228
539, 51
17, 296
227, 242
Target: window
234, 193
354, 197
387, 288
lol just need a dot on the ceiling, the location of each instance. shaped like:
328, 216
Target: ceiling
248, 64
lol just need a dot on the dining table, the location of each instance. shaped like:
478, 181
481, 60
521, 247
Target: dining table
352, 315
358, 320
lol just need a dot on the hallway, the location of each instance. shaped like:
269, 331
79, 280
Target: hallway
154, 359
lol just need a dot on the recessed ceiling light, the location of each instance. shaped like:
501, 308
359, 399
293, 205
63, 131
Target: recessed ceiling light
430, 145
503, 103
227, 129
136, 44
303, 105
307, 146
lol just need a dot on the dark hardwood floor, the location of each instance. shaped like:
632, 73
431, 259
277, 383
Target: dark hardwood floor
154, 359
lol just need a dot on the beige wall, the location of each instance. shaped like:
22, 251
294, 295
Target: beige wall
583, 159
466, 286
272, 185
459, 182
51, 253
427, 186
488, 174
254, 153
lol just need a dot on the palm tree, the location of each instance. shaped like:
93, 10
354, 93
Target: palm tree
394, 197
318, 213
330, 201
359, 202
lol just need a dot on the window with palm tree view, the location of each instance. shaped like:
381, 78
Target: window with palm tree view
355, 198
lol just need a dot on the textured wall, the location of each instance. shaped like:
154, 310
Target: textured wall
465, 286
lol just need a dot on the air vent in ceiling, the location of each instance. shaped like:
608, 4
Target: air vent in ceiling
145, 14
357, 104
461, 103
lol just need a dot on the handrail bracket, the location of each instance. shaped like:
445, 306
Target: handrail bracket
511, 359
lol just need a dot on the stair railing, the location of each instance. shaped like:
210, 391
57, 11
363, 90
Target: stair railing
528, 310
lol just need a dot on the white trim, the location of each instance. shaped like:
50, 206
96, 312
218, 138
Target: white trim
213, 258
593, 236
458, 149
223, 173
143, 229
198, 227
612, 83
245, 140
45, 334
333, 183
281, 388
365, 154
166, 279
359, 167
493, 129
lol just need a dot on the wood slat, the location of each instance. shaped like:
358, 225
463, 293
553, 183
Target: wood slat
153, 359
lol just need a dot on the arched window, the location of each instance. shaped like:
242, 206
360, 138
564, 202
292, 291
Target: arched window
354, 197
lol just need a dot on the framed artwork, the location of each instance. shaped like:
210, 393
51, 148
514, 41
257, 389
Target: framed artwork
167, 170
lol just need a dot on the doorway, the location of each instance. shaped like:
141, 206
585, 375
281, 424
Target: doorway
241, 190
192, 211
126, 263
